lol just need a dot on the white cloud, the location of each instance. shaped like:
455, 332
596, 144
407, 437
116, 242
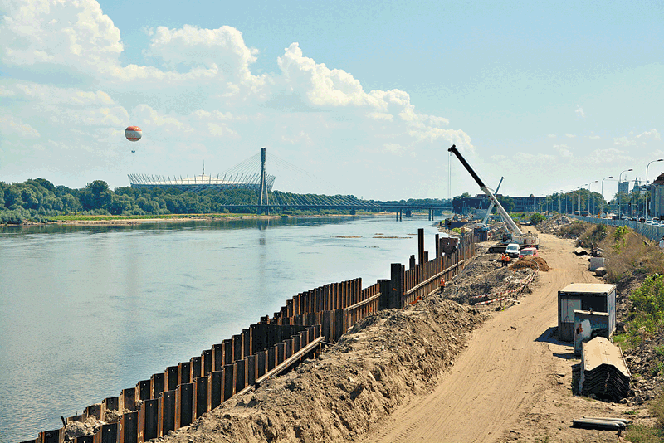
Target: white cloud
564, 151
624, 141
570, 135
10, 125
579, 112
72, 33
610, 155
594, 137
652, 134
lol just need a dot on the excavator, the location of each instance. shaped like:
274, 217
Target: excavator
515, 235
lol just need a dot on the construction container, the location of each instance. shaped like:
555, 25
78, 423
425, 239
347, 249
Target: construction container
584, 297
588, 325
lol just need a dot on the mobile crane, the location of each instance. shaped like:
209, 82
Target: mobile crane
515, 234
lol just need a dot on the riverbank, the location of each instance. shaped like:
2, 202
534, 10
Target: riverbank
107, 220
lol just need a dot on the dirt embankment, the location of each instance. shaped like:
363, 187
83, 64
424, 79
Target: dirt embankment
358, 381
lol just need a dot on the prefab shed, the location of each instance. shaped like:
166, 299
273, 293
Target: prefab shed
587, 297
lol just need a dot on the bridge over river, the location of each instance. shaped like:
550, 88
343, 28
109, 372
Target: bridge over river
252, 174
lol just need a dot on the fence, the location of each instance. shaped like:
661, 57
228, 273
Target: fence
648, 231
180, 394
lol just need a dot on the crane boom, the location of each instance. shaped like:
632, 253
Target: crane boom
488, 211
511, 226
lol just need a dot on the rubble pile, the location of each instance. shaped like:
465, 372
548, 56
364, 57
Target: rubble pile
552, 225
485, 276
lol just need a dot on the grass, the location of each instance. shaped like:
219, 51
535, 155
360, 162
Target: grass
644, 434
138, 217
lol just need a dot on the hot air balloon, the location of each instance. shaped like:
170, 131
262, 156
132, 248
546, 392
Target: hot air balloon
133, 134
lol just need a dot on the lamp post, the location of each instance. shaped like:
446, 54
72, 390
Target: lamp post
559, 208
619, 199
603, 191
589, 196
646, 209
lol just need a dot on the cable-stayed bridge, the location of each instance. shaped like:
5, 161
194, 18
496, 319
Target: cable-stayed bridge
251, 174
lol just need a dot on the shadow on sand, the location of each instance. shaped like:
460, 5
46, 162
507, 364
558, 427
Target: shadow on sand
551, 336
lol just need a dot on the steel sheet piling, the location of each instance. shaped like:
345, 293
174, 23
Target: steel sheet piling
128, 399
184, 372
250, 364
108, 433
184, 405
200, 405
239, 371
228, 382
148, 420
156, 385
143, 389
166, 413
128, 429
171, 378
206, 358
215, 385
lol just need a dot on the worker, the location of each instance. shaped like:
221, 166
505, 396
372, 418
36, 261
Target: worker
661, 243
504, 259
442, 283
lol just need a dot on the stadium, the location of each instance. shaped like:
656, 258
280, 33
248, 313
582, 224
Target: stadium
203, 181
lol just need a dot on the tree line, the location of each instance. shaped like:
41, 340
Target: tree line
39, 200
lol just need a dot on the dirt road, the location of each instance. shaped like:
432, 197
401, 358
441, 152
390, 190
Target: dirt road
513, 382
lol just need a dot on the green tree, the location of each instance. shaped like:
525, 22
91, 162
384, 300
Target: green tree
536, 218
96, 195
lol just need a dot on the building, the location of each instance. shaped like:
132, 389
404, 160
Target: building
657, 197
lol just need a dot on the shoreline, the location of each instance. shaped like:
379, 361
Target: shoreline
104, 220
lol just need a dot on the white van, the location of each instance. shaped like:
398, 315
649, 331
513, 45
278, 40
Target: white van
512, 250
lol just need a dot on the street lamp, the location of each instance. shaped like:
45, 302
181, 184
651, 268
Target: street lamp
559, 208
658, 160
619, 199
589, 196
603, 191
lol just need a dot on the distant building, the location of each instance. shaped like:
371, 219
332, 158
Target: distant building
657, 197
623, 187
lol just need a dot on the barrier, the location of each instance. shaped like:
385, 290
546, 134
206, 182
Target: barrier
175, 397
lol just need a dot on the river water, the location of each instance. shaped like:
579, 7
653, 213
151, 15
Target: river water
88, 311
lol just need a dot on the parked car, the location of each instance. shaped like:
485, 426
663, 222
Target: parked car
512, 250
528, 252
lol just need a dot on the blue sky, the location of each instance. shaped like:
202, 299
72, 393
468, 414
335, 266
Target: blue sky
367, 96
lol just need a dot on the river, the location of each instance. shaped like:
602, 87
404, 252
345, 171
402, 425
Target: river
87, 311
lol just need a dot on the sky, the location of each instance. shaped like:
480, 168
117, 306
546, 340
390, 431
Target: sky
359, 98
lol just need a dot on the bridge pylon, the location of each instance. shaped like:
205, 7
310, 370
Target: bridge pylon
262, 198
